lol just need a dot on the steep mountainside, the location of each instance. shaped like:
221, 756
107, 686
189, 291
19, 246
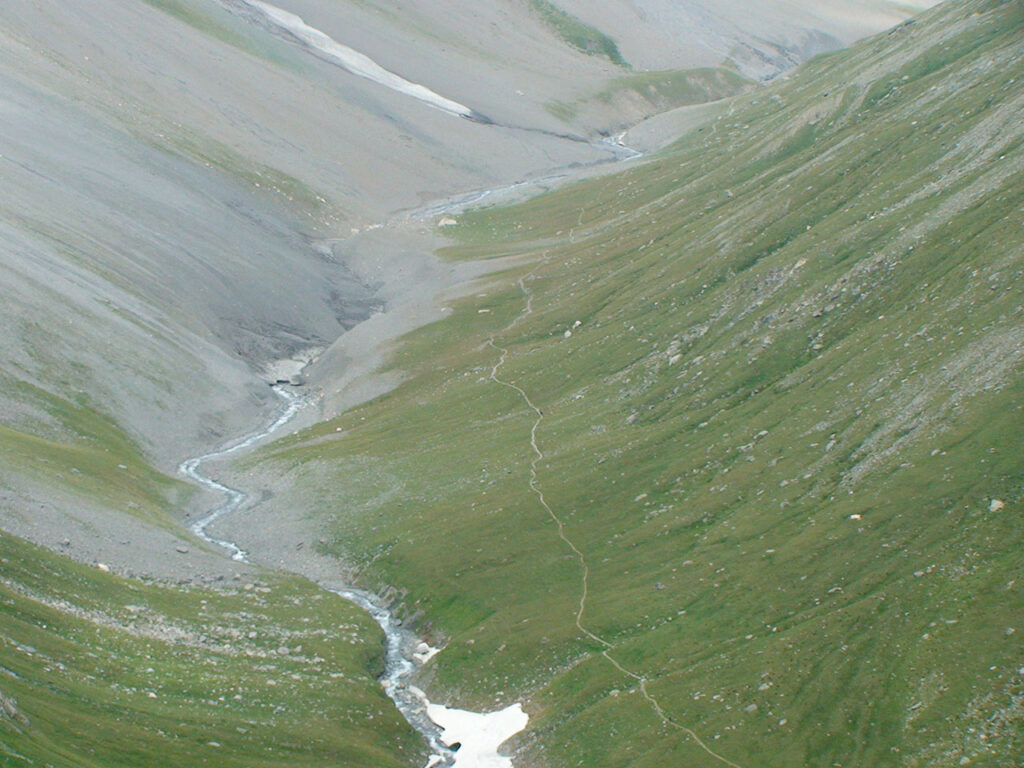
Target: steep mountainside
175, 174
720, 463
724, 466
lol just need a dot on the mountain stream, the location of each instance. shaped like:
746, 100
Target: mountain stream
479, 734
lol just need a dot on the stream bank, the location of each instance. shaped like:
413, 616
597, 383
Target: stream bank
404, 653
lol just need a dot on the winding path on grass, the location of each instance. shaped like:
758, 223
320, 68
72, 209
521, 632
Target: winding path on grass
538, 457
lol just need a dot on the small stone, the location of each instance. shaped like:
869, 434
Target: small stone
182, 550
995, 505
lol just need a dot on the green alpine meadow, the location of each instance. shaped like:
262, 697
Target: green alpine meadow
665, 391
722, 465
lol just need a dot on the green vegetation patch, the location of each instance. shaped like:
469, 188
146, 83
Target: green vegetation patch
651, 93
96, 670
679, 88
576, 33
72, 446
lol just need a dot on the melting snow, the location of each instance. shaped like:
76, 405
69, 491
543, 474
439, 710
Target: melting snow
478, 734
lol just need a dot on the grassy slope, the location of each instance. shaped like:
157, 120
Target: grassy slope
74, 447
650, 93
576, 33
96, 670
775, 436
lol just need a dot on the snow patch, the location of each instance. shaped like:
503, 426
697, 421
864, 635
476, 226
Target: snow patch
353, 61
478, 734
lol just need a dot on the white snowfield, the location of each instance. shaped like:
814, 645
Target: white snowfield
478, 734
353, 61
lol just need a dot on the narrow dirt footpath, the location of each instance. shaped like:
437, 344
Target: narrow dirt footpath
538, 457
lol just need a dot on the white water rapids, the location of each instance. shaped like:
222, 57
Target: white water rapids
480, 733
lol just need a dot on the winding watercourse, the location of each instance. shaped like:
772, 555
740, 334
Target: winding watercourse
400, 644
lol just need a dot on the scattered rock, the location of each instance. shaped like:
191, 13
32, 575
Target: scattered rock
9, 710
447, 221
995, 505
182, 550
